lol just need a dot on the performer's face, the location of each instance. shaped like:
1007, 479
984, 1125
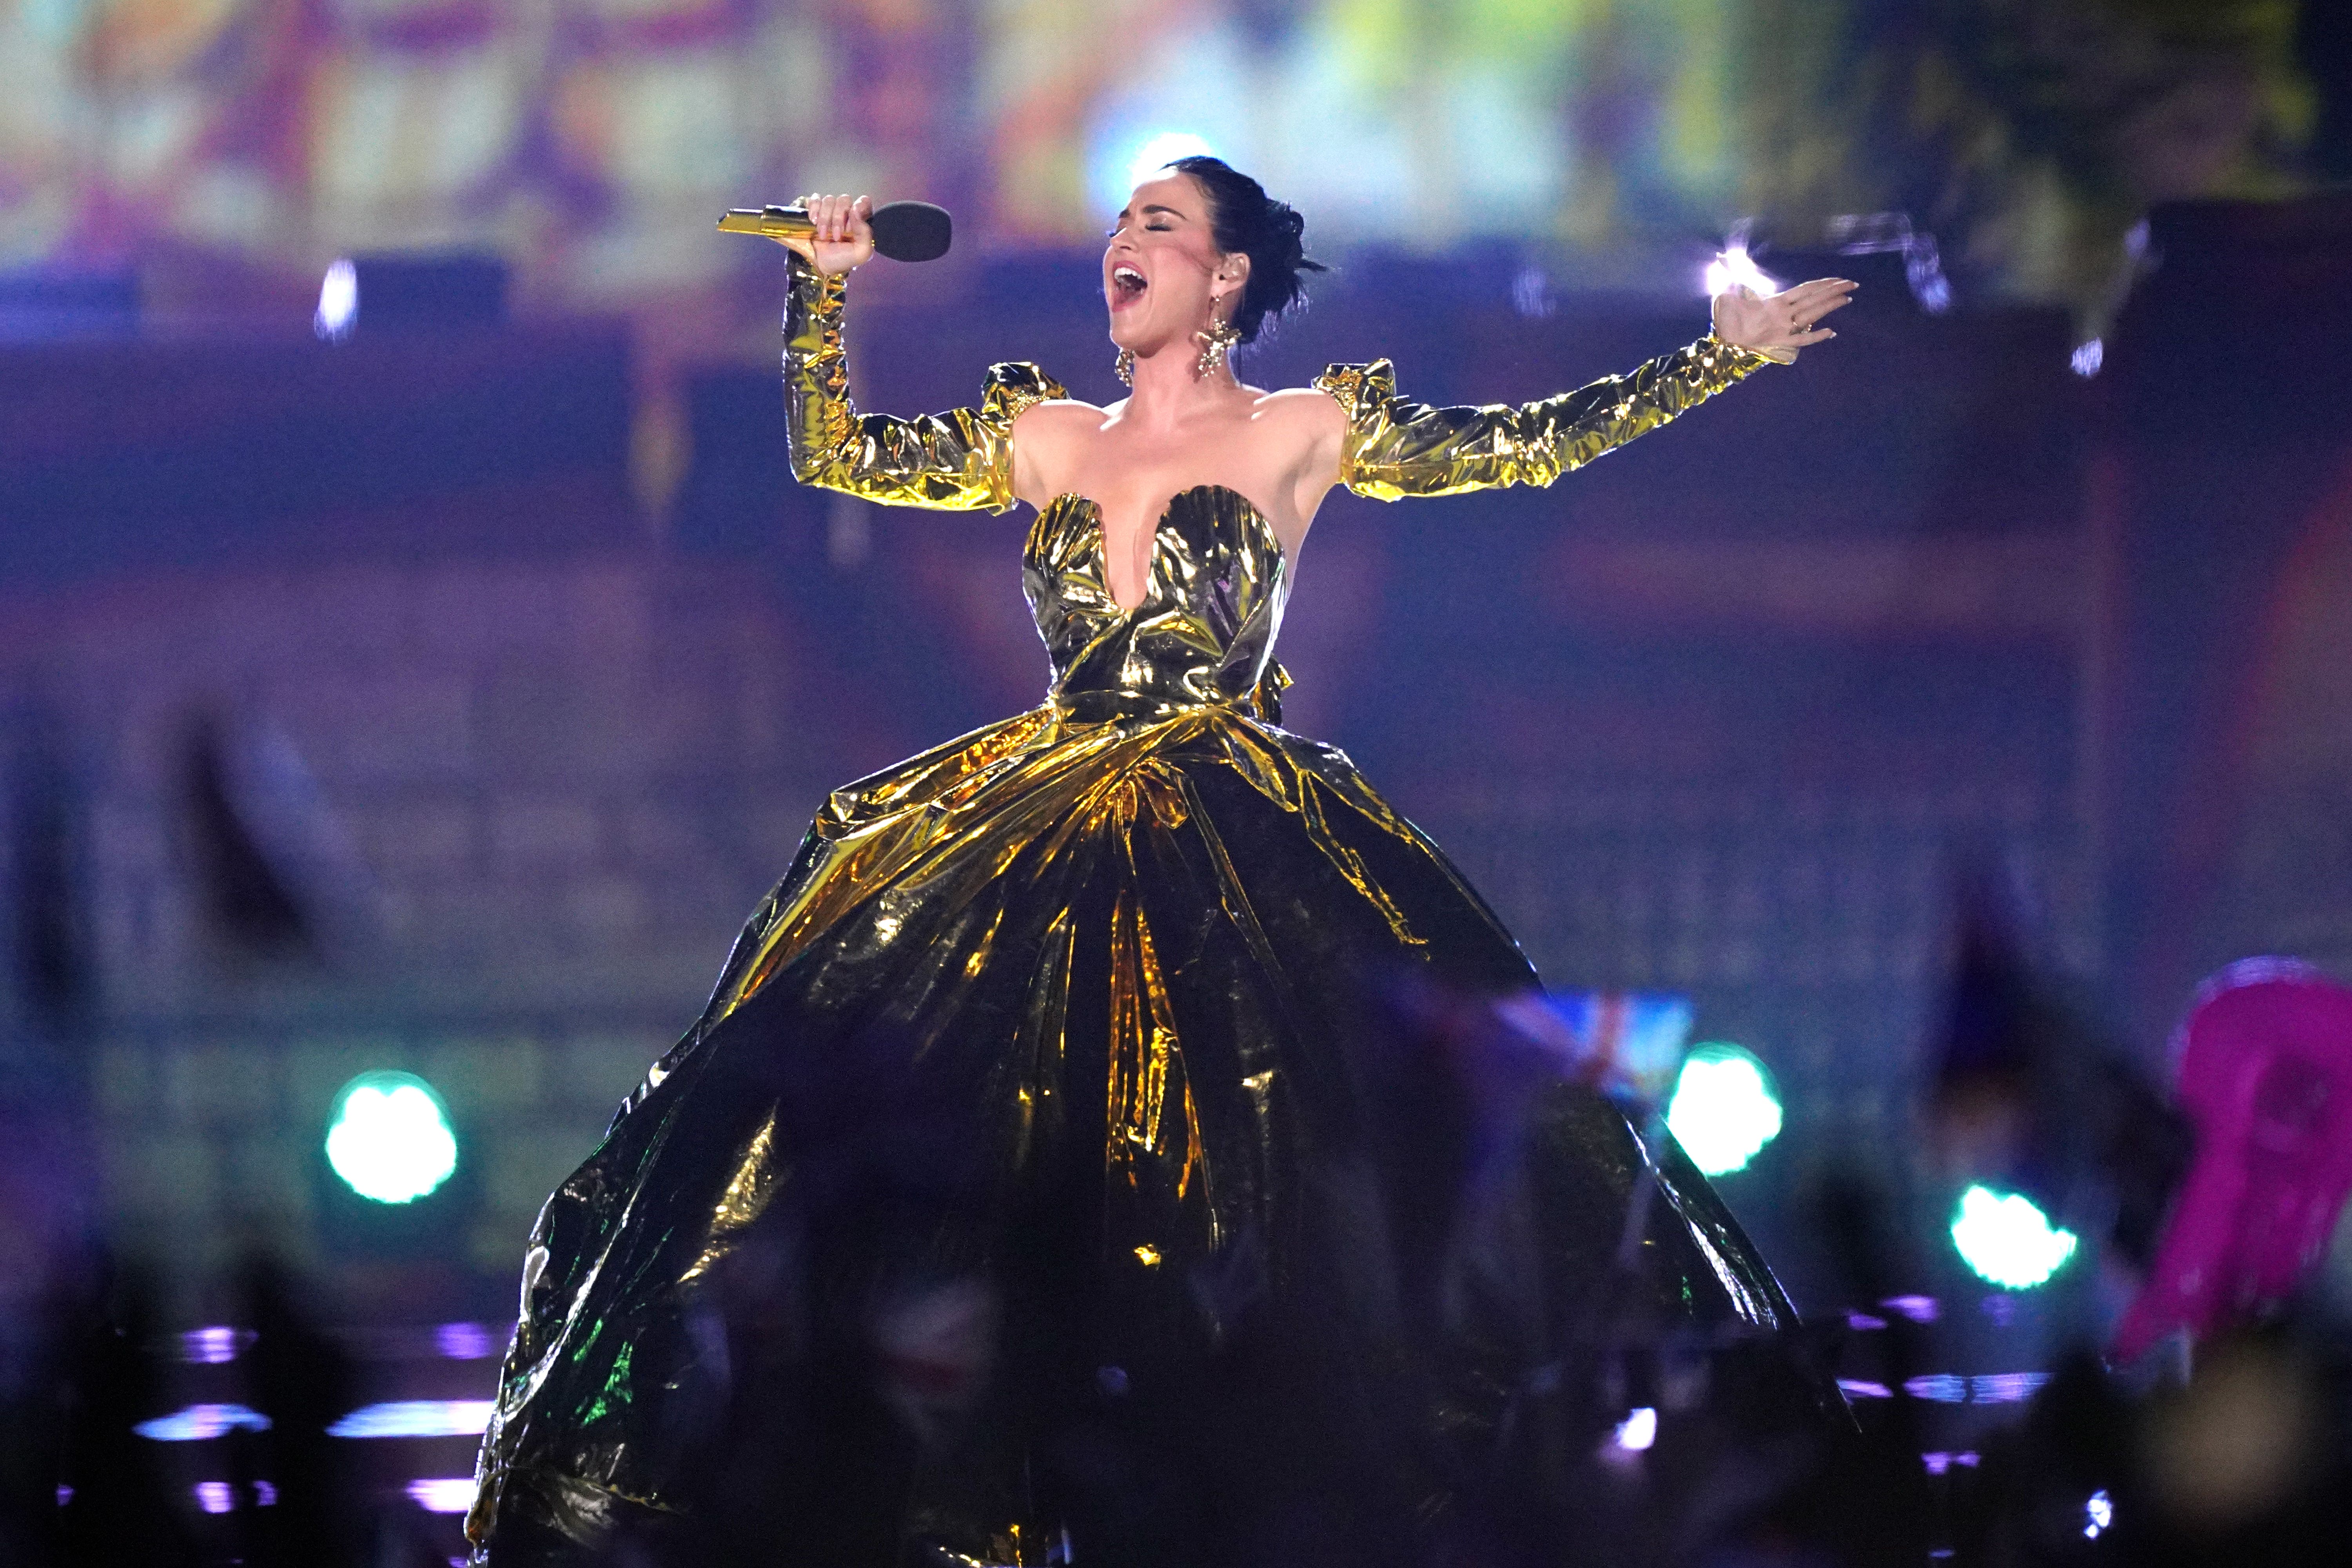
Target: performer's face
1162, 266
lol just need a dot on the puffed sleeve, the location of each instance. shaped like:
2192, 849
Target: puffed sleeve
1397, 448
961, 460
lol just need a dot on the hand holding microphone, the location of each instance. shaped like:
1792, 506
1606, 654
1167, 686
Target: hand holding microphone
837, 233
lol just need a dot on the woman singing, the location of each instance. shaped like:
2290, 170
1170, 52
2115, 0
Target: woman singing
1038, 1185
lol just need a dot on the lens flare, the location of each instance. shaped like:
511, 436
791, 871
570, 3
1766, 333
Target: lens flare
1723, 1110
2007, 1240
443, 1494
214, 1346
202, 1424
338, 302
465, 1341
1158, 152
417, 1418
1734, 268
390, 1139
1129, 155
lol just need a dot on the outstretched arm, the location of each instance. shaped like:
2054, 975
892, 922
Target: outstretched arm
958, 460
1394, 447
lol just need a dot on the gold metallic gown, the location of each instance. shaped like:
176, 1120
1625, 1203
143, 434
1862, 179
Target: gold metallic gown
1053, 1064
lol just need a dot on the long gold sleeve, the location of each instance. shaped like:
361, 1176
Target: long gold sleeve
961, 460
1397, 448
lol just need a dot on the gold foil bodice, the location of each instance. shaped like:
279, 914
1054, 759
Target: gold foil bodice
1218, 577
1211, 605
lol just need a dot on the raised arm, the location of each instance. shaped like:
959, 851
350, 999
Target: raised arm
1394, 447
958, 460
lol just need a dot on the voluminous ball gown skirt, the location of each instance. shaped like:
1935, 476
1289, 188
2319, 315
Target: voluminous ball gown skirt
1099, 1148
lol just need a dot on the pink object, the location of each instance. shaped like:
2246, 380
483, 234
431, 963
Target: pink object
2266, 1077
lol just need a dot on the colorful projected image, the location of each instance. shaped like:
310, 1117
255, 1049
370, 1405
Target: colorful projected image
591, 141
1416, 125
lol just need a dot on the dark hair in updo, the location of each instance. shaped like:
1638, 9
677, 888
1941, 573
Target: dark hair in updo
1248, 222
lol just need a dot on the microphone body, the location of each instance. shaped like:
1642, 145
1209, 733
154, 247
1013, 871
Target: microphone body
903, 231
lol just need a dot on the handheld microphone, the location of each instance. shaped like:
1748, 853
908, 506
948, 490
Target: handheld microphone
903, 231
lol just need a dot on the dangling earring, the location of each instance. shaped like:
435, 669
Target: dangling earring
1221, 336
1124, 365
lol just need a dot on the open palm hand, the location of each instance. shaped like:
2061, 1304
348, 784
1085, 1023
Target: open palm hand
1778, 325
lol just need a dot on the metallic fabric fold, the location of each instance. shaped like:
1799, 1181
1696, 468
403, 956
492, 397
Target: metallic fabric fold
1397, 447
1040, 1128
958, 460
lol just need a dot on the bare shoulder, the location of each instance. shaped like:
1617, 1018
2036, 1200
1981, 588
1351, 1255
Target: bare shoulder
1305, 422
1310, 410
1056, 411
1058, 420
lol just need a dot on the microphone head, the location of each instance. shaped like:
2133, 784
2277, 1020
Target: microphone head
912, 231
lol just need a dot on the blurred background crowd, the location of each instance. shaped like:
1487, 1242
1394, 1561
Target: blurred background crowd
414, 660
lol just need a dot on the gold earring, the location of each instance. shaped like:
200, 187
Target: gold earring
1124, 365
1220, 337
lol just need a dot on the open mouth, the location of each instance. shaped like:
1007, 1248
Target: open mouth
1127, 286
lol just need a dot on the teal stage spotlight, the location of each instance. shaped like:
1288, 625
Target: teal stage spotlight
2007, 1240
389, 1137
1725, 1109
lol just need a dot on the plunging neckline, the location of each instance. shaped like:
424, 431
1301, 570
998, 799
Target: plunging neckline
1102, 536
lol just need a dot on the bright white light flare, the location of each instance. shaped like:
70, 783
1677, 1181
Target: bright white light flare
1735, 268
2007, 1240
390, 1139
417, 1418
1159, 150
338, 301
202, 1424
1723, 1111
214, 1346
443, 1494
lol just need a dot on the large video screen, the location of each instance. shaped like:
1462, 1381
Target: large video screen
593, 141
